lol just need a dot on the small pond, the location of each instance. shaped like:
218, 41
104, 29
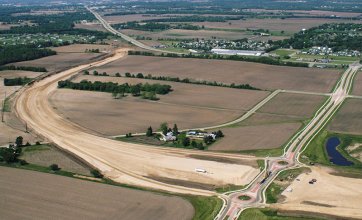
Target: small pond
334, 156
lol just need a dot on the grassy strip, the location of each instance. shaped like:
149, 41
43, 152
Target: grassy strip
6, 105
267, 214
273, 192
264, 152
206, 208
229, 188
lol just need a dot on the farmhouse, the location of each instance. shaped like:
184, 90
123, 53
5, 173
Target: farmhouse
168, 137
199, 135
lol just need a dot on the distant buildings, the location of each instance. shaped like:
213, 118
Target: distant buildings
237, 52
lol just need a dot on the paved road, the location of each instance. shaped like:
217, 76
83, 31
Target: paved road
256, 190
135, 42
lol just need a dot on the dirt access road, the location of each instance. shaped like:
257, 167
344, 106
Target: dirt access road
124, 162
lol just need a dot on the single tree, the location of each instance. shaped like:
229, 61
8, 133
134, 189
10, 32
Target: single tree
96, 174
54, 167
149, 132
208, 139
200, 146
118, 75
95, 73
194, 144
86, 72
175, 130
164, 128
19, 141
186, 141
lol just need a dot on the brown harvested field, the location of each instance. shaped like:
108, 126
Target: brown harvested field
187, 34
348, 119
59, 61
311, 12
33, 195
184, 94
330, 195
357, 84
290, 25
258, 75
291, 104
255, 137
93, 26
46, 155
115, 19
113, 117
80, 48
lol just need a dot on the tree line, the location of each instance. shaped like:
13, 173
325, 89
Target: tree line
148, 91
9, 54
25, 68
264, 60
187, 80
19, 81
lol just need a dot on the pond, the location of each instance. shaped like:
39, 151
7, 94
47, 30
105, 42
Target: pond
334, 156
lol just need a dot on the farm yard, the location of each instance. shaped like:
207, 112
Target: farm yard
348, 118
265, 77
44, 196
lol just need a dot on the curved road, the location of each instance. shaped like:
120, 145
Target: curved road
256, 190
124, 162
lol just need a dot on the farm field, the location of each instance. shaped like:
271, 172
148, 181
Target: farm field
357, 85
114, 117
272, 125
310, 12
47, 196
81, 48
116, 19
255, 137
203, 96
59, 61
289, 25
320, 197
46, 155
348, 119
297, 105
93, 26
258, 75
188, 34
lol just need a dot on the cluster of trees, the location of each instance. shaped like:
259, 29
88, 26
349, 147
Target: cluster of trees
19, 81
92, 51
264, 60
187, 80
189, 27
11, 154
25, 68
116, 89
149, 26
9, 54
342, 36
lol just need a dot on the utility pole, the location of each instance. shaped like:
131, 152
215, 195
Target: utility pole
3, 109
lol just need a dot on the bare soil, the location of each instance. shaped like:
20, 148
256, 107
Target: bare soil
348, 119
255, 137
297, 105
289, 25
47, 196
80, 48
332, 195
258, 75
131, 114
357, 85
184, 94
59, 61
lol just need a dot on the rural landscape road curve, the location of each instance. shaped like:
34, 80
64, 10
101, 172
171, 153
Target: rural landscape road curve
125, 162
